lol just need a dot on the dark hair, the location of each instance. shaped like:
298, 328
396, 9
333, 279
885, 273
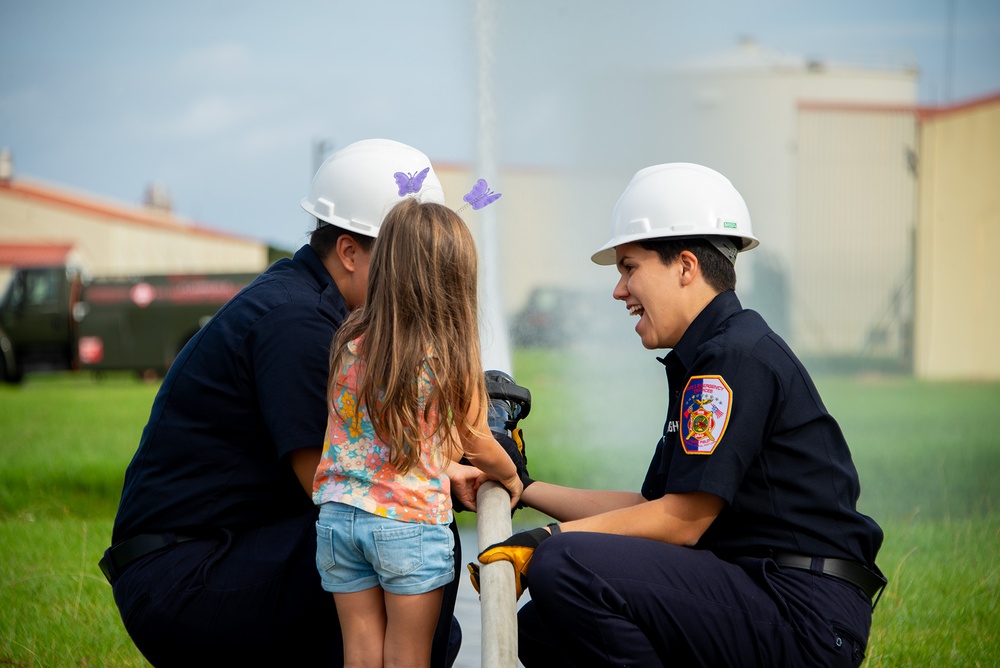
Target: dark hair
324, 239
718, 271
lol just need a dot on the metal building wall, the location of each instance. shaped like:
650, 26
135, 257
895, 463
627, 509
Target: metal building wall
739, 113
532, 220
852, 263
957, 305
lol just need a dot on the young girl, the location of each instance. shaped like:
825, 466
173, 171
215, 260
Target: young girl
407, 399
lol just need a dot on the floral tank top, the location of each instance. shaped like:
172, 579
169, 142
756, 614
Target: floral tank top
355, 467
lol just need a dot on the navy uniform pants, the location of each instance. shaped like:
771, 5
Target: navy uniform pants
251, 598
601, 600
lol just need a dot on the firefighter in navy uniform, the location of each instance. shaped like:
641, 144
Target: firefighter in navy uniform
214, 543
744, 546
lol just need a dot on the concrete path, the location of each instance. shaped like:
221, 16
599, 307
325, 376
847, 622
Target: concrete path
467, 606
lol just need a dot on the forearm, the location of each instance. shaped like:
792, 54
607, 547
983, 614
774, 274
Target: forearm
304, 462
568, 503
488, 456
680, 519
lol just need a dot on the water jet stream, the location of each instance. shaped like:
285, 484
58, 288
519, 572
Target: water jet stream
497, 599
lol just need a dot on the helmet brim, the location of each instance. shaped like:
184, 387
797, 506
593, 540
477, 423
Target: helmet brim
606, 255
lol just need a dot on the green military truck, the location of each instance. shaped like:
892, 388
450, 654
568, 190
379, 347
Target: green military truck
51, 318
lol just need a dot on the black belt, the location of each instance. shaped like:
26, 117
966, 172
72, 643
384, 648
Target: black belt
118, 558
872, 584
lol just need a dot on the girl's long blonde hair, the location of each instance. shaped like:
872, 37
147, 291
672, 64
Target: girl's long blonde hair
422, 296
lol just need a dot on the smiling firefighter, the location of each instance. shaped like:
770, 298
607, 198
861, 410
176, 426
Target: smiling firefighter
744, 545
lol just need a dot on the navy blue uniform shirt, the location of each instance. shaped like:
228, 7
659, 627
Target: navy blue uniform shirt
746, 423
247, 389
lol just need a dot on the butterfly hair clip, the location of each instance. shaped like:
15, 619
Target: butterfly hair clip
411, 183
479, 197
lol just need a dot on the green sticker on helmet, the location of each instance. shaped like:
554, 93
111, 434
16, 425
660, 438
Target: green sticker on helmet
729, 225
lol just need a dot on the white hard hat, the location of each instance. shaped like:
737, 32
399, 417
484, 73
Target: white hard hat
357, 186
680, 199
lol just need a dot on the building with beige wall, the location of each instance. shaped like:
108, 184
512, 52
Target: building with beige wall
108, 238
530, 220
852, 242
897, 217
957, 310
742, 113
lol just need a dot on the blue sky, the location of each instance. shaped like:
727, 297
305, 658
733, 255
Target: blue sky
222, 100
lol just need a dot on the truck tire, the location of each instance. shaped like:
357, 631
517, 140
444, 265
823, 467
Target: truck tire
6, 375
150, 375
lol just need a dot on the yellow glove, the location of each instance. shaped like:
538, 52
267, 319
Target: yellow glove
518, 550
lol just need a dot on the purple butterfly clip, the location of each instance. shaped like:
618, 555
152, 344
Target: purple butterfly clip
410, 183
480, 195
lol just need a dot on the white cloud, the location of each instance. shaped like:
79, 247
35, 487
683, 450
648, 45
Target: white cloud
207, 116
227, 60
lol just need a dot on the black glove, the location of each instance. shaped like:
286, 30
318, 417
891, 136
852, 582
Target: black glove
518, 550
513, 445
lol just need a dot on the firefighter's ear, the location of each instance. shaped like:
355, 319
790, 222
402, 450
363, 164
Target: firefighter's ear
689, 265
347, 251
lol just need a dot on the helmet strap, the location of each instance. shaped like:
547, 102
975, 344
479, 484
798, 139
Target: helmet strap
726, 247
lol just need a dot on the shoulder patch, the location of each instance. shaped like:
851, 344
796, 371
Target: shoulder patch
705, 408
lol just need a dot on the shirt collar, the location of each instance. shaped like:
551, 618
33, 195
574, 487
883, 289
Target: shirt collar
724, 305
307, 256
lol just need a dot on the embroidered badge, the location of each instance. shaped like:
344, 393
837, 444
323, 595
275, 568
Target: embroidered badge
705, 409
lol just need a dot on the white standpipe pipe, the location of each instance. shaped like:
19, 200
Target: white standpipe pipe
496, 580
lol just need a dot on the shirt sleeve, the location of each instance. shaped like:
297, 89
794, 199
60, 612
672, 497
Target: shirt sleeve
291, 354
725, 416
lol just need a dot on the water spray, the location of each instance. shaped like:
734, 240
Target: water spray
497, 592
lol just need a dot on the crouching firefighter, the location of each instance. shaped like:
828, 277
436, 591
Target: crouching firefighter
213, 556
744, 546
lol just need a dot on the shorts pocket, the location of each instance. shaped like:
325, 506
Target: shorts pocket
324, 548
399, 549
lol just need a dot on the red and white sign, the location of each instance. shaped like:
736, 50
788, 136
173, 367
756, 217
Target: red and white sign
91, 349
142, 294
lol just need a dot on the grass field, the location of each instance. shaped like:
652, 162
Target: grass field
928, 455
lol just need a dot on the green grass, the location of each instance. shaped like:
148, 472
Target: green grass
64, 442
927, 453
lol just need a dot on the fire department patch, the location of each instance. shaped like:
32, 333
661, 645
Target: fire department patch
705, 409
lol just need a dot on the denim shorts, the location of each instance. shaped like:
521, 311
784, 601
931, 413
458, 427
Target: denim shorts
356, 550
